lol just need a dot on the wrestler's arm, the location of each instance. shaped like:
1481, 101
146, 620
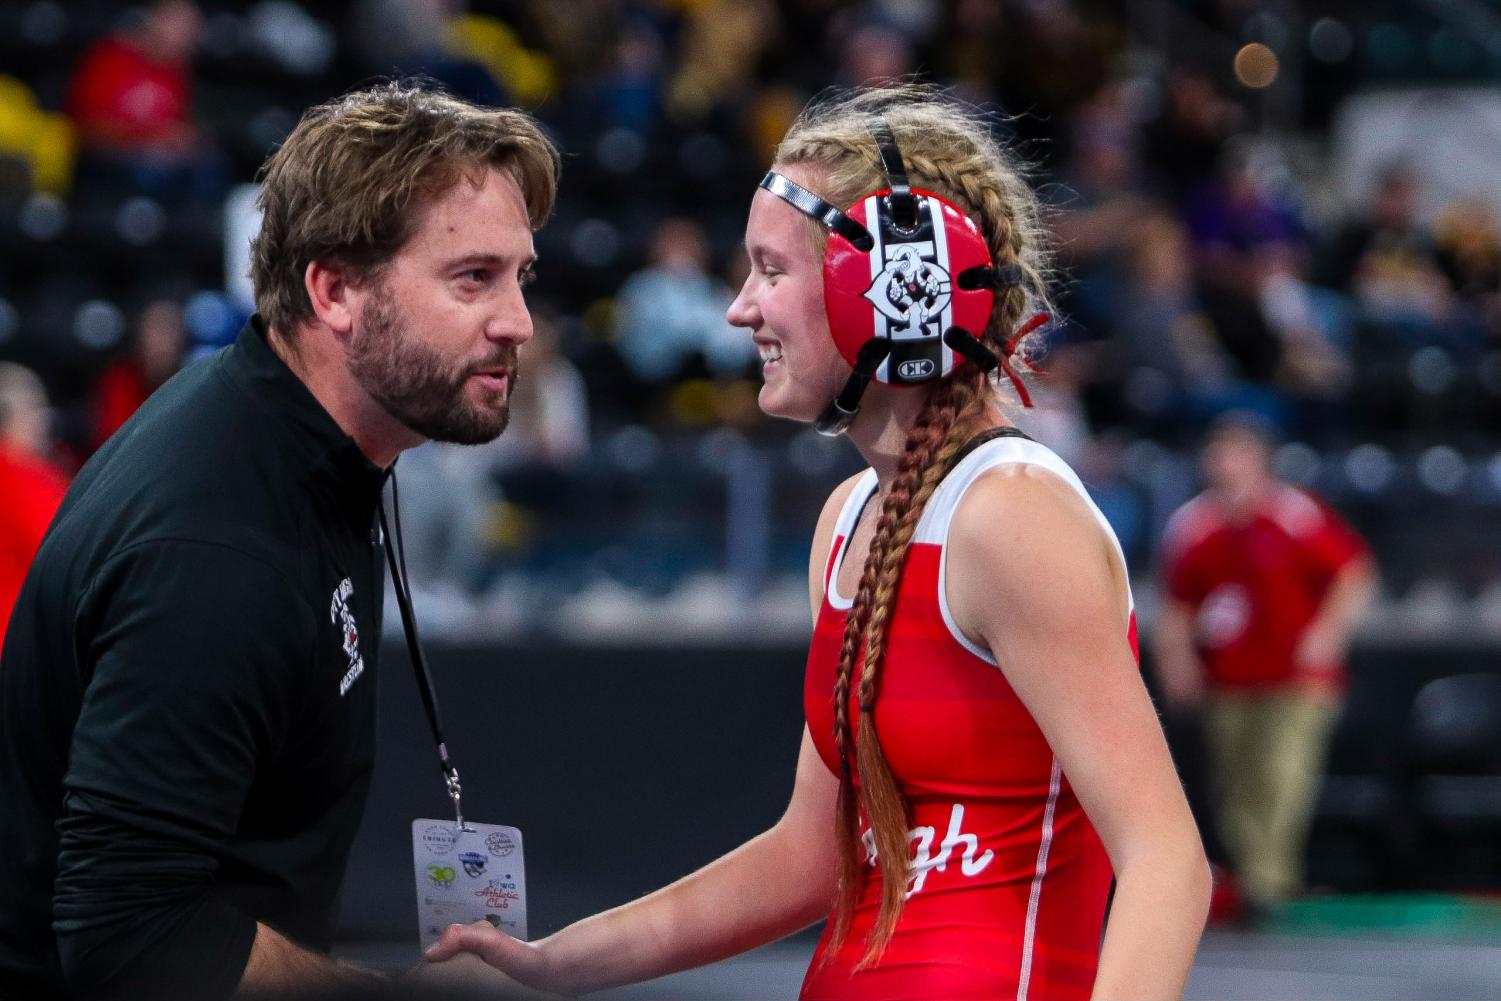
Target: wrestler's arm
777, 883
1044, 590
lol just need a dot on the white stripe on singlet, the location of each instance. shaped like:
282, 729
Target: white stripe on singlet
844, 527
1054, 785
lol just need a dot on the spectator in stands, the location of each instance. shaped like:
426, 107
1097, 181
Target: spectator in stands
1186, 139
1177, 366
722, 43
1233, 219
1386, 258
156, 353
1057, 417
1265, 585
550, 407
1103, 204
408, 37
630, 95
1313, 326
1469, 245
31, 486
539, 460
1058, 52
131, 98
875, 52
673, 310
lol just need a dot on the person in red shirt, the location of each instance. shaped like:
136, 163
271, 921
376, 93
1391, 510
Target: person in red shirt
31, 486
980, 755
131, 99
132, 92
1264, 587
155, 356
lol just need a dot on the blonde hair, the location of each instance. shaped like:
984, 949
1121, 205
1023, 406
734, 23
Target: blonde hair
947, 149
346, 185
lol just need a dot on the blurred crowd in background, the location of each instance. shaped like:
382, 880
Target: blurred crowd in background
1250, 206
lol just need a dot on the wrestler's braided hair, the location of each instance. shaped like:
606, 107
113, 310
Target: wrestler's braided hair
948, 149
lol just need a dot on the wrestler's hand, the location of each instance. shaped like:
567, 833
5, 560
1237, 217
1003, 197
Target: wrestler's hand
520, 960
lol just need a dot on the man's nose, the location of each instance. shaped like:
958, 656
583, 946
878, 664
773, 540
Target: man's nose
511, 322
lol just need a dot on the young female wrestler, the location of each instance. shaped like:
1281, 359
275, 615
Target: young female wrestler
980, 753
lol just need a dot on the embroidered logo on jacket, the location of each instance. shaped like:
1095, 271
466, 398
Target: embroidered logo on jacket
339, 612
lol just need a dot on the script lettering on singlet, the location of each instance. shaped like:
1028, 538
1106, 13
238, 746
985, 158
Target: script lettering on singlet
924, 861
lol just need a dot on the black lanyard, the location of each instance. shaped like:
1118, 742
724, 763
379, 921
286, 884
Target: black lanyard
396, 559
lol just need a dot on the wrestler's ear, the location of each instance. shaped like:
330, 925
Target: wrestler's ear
329, 290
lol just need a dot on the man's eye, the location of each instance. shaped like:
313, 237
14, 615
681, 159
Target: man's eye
477, 275
527, 277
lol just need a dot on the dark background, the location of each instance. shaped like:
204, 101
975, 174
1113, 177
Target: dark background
626, 767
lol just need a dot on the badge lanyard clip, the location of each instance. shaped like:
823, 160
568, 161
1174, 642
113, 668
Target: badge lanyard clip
393, 544
456, 793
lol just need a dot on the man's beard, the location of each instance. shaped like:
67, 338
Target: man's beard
414, 383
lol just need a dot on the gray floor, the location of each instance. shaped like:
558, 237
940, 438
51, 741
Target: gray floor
1231, 967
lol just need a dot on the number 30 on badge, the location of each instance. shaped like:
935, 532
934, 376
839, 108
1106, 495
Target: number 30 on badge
466, 876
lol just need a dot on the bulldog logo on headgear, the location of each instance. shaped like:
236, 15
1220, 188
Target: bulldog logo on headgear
909, 290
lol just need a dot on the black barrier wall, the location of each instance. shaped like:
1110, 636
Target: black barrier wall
624, 768
628, 767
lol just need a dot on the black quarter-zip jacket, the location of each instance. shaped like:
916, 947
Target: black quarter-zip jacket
187, 692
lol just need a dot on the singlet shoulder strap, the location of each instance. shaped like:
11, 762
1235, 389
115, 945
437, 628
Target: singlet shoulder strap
998, 450
849, 514
855, 503
984, 438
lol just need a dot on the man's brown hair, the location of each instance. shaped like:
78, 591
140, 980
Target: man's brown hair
347, 185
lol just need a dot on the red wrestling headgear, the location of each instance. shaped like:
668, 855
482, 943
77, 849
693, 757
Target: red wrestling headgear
907, 277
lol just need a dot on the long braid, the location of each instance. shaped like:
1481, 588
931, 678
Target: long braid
869, 614
949, 152
928, 450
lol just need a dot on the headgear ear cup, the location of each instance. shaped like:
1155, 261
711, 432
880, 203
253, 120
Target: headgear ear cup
889, 275
904, 289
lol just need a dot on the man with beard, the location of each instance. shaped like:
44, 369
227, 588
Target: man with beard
186, 694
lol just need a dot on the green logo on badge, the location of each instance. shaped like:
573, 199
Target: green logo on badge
441, 875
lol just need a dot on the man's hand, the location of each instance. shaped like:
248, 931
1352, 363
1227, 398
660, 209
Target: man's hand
520, 960
279, 964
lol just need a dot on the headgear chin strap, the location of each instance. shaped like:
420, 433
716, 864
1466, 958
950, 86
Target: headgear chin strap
838, 415
896, 310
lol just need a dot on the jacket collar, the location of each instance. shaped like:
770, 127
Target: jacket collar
311, 436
